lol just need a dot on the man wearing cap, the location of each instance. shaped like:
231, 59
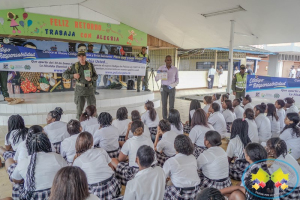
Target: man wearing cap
85, 74
144, 78
90, 50
238, 85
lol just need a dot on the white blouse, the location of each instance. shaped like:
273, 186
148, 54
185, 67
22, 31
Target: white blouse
263, 127
252, 130
281, 114
248, 105
146, 119
67, 148
292, 109
206, 107
235, 148
239, 112
90, 125
228, 116
275, 126
217, 120
197, 134
292, 142
166, 144
121, 125
56, 131
107, 138
10, 141
174, 129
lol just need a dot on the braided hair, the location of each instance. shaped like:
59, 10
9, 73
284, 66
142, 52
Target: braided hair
210, 194
174, 118
38, 142
16, 123
56, 113
240, 128
295, 118
137, 128
83, 143
89, 112
104, 119
152, 113
278, 145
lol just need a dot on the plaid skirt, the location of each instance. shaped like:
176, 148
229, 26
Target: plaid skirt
16, 191
198, 150
294, 195
10, 170
237, 169
161, 158
122, 138
228, 126
8, 154
125, 173
39, 195
57, 147
114, 154
174, 193
153, 131
186, 128
108, 189
218, 184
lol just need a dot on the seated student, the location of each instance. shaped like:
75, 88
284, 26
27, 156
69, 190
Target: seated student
235, 150
76, 189
216, 99
252, 127
247, 102
107, 137
125, 171
67, 149
174, 119
224, 97
291, 134
277, 148
96, 164
194, 105
121, 122
182, 170
210, 194
238, 109
213, 163
228, 114
262, 122
274, 119
207, 100
135, 116
89, 121
39, 169
55, 129
149, 182
217, 120
290, 105
164, 148
199, 127
279, 104
150, 118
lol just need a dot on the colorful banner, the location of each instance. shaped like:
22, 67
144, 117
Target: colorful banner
266, 87
21, 23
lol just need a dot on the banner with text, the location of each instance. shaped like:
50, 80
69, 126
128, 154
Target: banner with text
17, 58
273, 87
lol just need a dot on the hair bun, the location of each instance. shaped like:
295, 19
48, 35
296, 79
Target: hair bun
59, 110
139, 130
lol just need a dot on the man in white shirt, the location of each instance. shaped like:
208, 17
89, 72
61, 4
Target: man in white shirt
211, 76
149, 182
292, 72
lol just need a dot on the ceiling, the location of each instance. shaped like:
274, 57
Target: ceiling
179, 22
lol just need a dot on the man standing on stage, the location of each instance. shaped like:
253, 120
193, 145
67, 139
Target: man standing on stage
211, 77
144, 78
85, 74
3, 83
239, 83
168, 75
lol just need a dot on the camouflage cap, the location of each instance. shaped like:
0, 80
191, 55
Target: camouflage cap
81, 53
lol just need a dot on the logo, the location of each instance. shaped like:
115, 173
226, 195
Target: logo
276, 96
27, 67
11, 67
257, 94
263, 95
266, 95
5, 66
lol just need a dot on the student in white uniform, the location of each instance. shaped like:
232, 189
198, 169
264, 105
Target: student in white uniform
67, 148
89, 121
194, 105
238, 109
77, 187
274, 119
121, 123
96, 164
217, 120
149, 182
125, 171
291, 134
39, 169
164, 148
207, 100
182, 170
224, 97
252, 127
199, 127
107, 137
174, 119
213, 163
216, 99
150, 118
235, 150
277, 148
228, 113
290, 105
55, 129
247, 102
135, 116
279, 104
262, 122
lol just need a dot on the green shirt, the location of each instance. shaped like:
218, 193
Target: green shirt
144, 55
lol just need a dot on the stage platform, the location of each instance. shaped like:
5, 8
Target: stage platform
37, 105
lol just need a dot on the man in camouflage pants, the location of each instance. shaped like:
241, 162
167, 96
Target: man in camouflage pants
84, 90
3, 83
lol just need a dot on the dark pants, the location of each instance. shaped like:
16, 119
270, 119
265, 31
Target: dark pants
240, 94
3, 83
80, 102
145, 81
165, 93
211, 82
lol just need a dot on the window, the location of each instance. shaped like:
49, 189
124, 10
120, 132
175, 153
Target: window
204, 66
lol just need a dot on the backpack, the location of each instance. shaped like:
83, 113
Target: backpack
130, 85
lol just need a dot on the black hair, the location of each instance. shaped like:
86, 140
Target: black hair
122, 113
249, 114
229, 105
225, 96
199, 118
248, 98
261, 107
281, 103
16, 123
89, 112
152, 113
174, 118
213, 137
295, 118
194, 105
278, 145
208, 99
271, 111
256, 152
56, 113
138, 127
73, 127
38, 142
104, 119
146, 155
289, 100
35, 129
215, 107
164, 125
240, 127
238, 100
210, 194
135, 115
80, 45
217, 95
183, 144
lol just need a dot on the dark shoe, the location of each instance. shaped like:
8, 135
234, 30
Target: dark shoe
96, 93
147, 90
138, 90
